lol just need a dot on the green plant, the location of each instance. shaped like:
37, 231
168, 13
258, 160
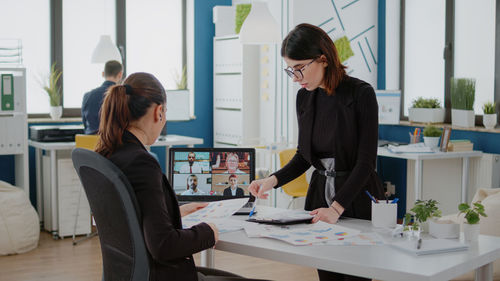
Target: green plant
421, 102
242, 11
424, 209
51, 86
489, 107
472, 213
432, 131
181, 80
463, 92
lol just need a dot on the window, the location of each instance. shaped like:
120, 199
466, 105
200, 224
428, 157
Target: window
83, 23
29, 21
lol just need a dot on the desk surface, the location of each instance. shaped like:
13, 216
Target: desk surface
380, 262
383, 151
167, 140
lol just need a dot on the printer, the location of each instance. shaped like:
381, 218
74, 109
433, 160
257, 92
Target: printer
57, 133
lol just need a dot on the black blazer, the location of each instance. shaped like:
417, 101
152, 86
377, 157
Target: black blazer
91, 105
356, 135
170, 246
239, 192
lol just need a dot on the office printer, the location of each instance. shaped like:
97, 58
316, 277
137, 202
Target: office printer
57, 133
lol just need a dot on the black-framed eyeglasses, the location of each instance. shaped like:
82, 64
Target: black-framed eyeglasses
297, 73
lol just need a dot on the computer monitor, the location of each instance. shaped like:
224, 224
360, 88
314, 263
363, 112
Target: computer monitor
211, 174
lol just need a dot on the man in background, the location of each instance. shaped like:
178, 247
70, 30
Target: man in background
92, 101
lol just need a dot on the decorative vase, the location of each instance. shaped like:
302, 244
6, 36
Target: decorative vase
431, 141
490, 120
471, 232
462, 118
426, 115
55, 112
444, 229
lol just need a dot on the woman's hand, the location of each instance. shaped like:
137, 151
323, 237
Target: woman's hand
259, 187
189, 208
215, 230
328, 215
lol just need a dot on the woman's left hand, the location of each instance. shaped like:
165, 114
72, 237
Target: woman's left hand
189, 208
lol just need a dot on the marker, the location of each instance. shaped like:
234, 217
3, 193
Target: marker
395, 201
371, 197
419, 243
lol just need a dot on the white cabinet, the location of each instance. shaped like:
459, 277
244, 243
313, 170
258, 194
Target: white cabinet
236, 91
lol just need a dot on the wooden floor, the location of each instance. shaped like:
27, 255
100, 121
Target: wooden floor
58, 260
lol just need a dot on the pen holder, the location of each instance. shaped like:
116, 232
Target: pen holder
384, 214
414, 138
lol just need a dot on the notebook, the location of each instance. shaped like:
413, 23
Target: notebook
430, 246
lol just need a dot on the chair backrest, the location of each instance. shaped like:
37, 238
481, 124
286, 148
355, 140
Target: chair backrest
117, 215
297, 187
86, 141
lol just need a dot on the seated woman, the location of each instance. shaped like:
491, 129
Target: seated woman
132, 116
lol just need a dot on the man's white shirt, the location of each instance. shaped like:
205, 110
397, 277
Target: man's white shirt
191, 192
195, 169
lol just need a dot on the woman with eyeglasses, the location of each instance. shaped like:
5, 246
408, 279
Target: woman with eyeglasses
338, 133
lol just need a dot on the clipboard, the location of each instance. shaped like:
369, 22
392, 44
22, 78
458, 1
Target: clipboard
282, 221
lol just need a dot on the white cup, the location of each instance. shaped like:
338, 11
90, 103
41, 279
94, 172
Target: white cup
384, 214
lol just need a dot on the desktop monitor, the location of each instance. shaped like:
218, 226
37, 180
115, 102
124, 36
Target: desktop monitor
211, 174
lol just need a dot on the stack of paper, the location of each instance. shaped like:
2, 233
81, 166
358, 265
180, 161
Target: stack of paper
460, 145
217, 212
430, 246
410, 148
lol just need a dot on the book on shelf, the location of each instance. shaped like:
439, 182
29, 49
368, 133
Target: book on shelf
430, 246
460, 145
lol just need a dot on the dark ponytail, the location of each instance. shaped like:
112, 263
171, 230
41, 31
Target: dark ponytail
126, 103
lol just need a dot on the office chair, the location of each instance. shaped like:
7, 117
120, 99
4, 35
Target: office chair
116, 211
298, 187
87, 142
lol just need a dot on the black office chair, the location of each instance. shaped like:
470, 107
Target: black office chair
118, 218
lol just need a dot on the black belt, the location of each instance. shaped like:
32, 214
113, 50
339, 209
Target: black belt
333, 174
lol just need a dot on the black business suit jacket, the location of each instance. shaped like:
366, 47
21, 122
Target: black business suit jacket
91, 105
239, 192
355, 113
170, 246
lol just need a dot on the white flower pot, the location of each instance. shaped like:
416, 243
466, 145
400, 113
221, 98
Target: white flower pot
444, 229
431, 141
426, 115
55, 112
490, 120
471, 232
462, 118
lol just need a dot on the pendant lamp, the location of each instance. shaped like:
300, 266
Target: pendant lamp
260, 27
105, 51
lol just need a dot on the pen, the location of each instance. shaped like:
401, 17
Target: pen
419, 243
253, 209
395, 201
371, 197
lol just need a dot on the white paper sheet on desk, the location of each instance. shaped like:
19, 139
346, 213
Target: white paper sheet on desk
410, 148
215, 210
303, 234
369, 238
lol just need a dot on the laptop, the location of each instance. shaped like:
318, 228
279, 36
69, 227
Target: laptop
212, 174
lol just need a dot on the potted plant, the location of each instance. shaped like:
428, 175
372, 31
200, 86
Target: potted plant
180, 97
426, 110
472, 217
421, 212
431, 136
489, 116
50, 85
462, 101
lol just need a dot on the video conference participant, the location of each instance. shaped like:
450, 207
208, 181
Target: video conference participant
232, 162
192, 186
338, 131
132, 116
191, 166
233, 189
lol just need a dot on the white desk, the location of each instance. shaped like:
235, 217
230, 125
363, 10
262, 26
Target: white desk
419, 157
53, 147
380, 262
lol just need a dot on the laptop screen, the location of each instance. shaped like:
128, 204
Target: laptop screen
210, 174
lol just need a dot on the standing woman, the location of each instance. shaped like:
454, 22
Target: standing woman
338, 133
132, 116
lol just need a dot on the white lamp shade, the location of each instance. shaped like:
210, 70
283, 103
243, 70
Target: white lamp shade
260, 27
105, 51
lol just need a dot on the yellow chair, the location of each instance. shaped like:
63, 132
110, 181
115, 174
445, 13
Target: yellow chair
88, 142
298, 187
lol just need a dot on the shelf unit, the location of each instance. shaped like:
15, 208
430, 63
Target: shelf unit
236, 91
14, 122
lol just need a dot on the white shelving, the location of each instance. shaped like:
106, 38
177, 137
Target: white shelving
236, 91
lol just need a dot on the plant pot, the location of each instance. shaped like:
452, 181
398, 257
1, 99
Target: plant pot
431, 141
426, 115
490, 120
471, 232
462, 118
55, 112
444, 229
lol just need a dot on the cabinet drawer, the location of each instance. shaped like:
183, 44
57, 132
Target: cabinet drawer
227, 56
228, 126
228, 91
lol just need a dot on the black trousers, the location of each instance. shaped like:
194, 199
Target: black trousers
334, 276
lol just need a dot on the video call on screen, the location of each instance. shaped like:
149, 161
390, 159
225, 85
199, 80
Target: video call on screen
212, 172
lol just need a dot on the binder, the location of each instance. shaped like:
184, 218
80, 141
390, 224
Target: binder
430, 246
283, 218
7, 92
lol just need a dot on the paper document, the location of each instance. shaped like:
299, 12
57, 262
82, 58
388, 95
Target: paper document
215, 210
371, 238
430, 246
410, 148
